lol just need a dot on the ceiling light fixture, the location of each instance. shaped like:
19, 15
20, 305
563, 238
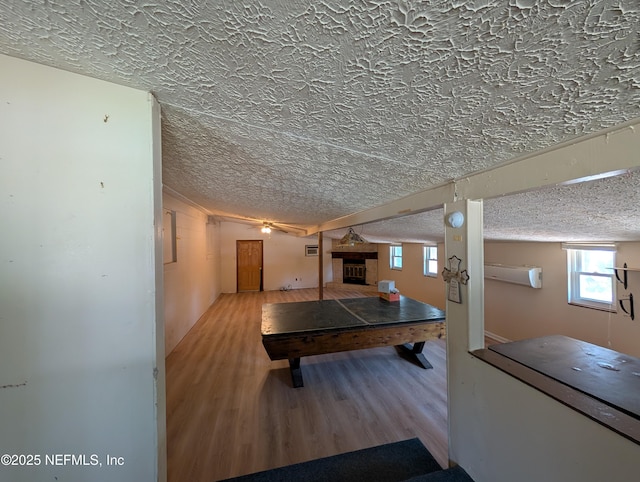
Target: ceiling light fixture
351, 239
266, 229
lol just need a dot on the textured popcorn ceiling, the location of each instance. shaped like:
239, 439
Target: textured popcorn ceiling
601, 210
303, 112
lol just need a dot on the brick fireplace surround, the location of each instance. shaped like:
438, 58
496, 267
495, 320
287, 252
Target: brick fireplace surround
366, 252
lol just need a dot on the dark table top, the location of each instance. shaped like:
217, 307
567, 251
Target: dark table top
607, 375
303, 316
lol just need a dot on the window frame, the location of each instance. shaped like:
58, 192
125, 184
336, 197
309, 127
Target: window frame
426, 258
393, 256
575, 272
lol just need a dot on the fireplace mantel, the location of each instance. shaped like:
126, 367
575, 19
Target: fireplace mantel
354, 255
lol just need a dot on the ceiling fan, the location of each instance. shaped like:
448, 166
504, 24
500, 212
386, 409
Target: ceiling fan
267, 227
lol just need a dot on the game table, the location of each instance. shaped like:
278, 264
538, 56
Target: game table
291, 331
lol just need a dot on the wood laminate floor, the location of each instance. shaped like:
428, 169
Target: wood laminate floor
232, 411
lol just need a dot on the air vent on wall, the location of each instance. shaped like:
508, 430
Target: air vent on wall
530, 276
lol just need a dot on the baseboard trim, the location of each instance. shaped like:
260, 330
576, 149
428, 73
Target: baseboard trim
493, 336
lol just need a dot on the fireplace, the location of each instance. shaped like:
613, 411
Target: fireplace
354, 267
354, 271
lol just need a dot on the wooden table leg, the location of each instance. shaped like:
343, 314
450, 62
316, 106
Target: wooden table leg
296, 372
415, 353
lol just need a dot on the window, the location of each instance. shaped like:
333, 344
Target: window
395, 257
591, 276
430, 260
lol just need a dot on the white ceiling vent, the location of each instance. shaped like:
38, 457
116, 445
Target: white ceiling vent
530, 276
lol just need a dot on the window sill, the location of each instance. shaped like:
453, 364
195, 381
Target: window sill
604, 307
603, 413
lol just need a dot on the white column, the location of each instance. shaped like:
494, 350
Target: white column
465, 320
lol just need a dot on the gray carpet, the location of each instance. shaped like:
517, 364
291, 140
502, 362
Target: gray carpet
392, 462
454, 474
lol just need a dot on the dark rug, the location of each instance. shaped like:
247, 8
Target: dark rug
454, 474
385, 463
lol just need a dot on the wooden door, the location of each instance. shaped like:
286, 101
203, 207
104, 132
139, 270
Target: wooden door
249, 259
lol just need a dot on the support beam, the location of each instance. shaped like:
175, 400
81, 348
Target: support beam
465, 315
465, 319
320, 266
602, 154
605, 154
415, 203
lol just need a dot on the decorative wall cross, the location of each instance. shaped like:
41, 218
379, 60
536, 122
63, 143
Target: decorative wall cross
454, 277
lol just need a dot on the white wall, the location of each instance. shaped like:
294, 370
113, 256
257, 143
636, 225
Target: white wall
284, 258
503, 431
78, 347
517, 312
192, 282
